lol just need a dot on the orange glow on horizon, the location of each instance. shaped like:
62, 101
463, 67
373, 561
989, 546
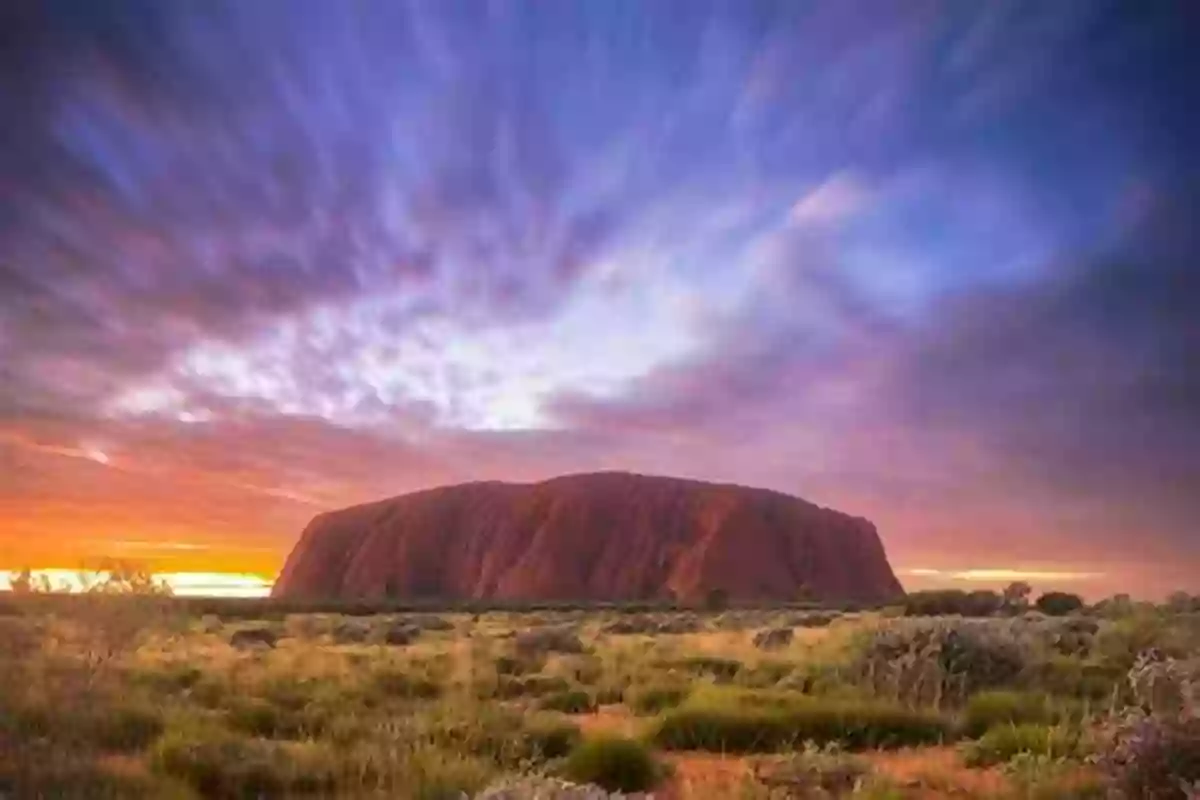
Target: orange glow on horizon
183, 584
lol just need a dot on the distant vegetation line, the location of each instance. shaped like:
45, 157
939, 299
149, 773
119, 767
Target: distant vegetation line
1015, 600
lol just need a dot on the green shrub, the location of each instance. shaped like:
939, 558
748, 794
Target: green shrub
851, 724
655, 699
765, 674
1067, 676
507, 737
511, 665
1000, 744
258, 717
400, 683
572, 701
986, 710
168, 679
209, 691
941, 602
614, 764
508, 688
103, 726
222, 765
548, 738
1059, 604
122, 728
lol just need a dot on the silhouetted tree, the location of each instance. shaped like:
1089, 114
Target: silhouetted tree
1016, 597
1182, 602
21, 582
26, 582
982, 603
1115, 607
1059, 604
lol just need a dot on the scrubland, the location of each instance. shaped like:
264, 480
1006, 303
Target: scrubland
138, 696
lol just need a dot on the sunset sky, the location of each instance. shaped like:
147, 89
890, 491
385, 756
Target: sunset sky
932, 263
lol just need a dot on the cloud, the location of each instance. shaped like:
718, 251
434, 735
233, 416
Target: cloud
837, 199
255, 264
994, 575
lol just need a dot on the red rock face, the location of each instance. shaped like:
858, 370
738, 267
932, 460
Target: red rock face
603, 536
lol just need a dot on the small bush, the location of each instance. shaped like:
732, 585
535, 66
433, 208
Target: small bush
511, 665
508, 688
1153, 757
1002, 743
104, 726
548, 738
765, 674
222, 765
1067, 676
655, 699
123, 728
614, 764
209, 692
258, 717
168, 679
506, 737
986, 710
851, 724
572, 701
1058, 604
400, 683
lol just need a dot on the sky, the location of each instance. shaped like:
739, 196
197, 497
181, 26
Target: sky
932, 263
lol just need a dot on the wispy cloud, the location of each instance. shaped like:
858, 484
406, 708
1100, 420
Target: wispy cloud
255, 265
996, 575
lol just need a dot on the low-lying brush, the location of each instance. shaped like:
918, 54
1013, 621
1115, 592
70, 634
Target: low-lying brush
1004, 742
719, 669
507, 737
258, 717
765, 674
987, 710
225, 765
508, 688
613, 763
655, 699
769, 728
1068, 676
403, 684
572, 701
101, 726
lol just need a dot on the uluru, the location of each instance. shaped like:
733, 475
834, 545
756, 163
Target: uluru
608, 536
